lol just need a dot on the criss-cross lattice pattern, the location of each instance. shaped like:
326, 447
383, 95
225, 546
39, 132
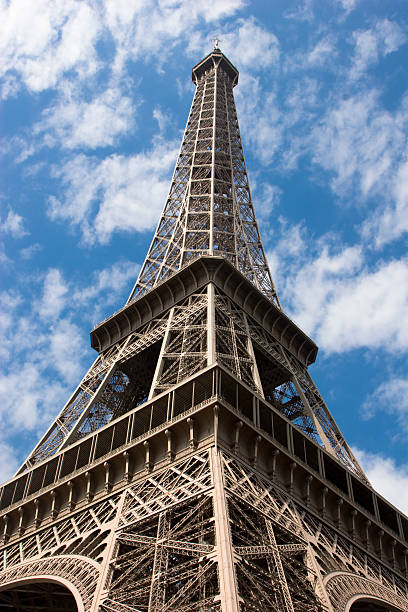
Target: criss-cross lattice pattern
121, 377
189, 499
168, 546
209, 209
161, 543
278, 376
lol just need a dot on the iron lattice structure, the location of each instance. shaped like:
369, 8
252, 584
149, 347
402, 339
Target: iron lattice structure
196, 466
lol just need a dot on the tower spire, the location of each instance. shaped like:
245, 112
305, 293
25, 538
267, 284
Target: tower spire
209, 208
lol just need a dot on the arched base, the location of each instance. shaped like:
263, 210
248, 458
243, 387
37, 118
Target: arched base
353, 593
42, 596
74, 573
371, 605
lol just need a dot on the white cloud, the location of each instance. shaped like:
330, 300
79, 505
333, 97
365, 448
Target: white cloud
152, 28
390, 221
359, 142
25, 344
310, 288
352, 136
30, 251
388, 478
267, 132
9, 302
275, 129
117, 194
8, 461
251, 44
30, 406
390, 397
65, 341
372, 44
334, 296
348, 5
321, 52
303, 11
13, 224
74, 122
164, 120
104, 287
54, 295
366, 52
42, 41
267, 198
368, 310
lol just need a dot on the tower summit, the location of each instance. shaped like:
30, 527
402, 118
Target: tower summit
196, 466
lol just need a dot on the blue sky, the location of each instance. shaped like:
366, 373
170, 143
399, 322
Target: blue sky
95, 96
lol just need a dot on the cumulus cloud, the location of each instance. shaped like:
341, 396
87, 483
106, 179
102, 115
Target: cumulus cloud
8, 460
275, 128
390, 221
348, 5
336, 297
26, 341
152, 28
54, 295
13, 224
31, 406
323, 50
9, 301
116, 194
303, 11
109, 283
41, 42
267, 198
254, 45
74, 122
30, 251
368, 310
388, 478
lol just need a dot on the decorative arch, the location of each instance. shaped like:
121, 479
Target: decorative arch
372, 600
77, 574
345, 588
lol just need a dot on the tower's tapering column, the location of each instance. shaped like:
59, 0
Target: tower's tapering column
209, 208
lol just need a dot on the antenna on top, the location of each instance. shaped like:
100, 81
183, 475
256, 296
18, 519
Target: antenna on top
216, 43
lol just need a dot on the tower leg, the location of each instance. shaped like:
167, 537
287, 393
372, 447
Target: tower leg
157, 587
225, 556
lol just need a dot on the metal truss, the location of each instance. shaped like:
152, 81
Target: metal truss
220, 545
204, 533
184, 347
283, 379
119, 379
209, 209
205, 328
193, 527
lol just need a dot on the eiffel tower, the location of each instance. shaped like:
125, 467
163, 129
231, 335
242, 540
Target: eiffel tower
196, 467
